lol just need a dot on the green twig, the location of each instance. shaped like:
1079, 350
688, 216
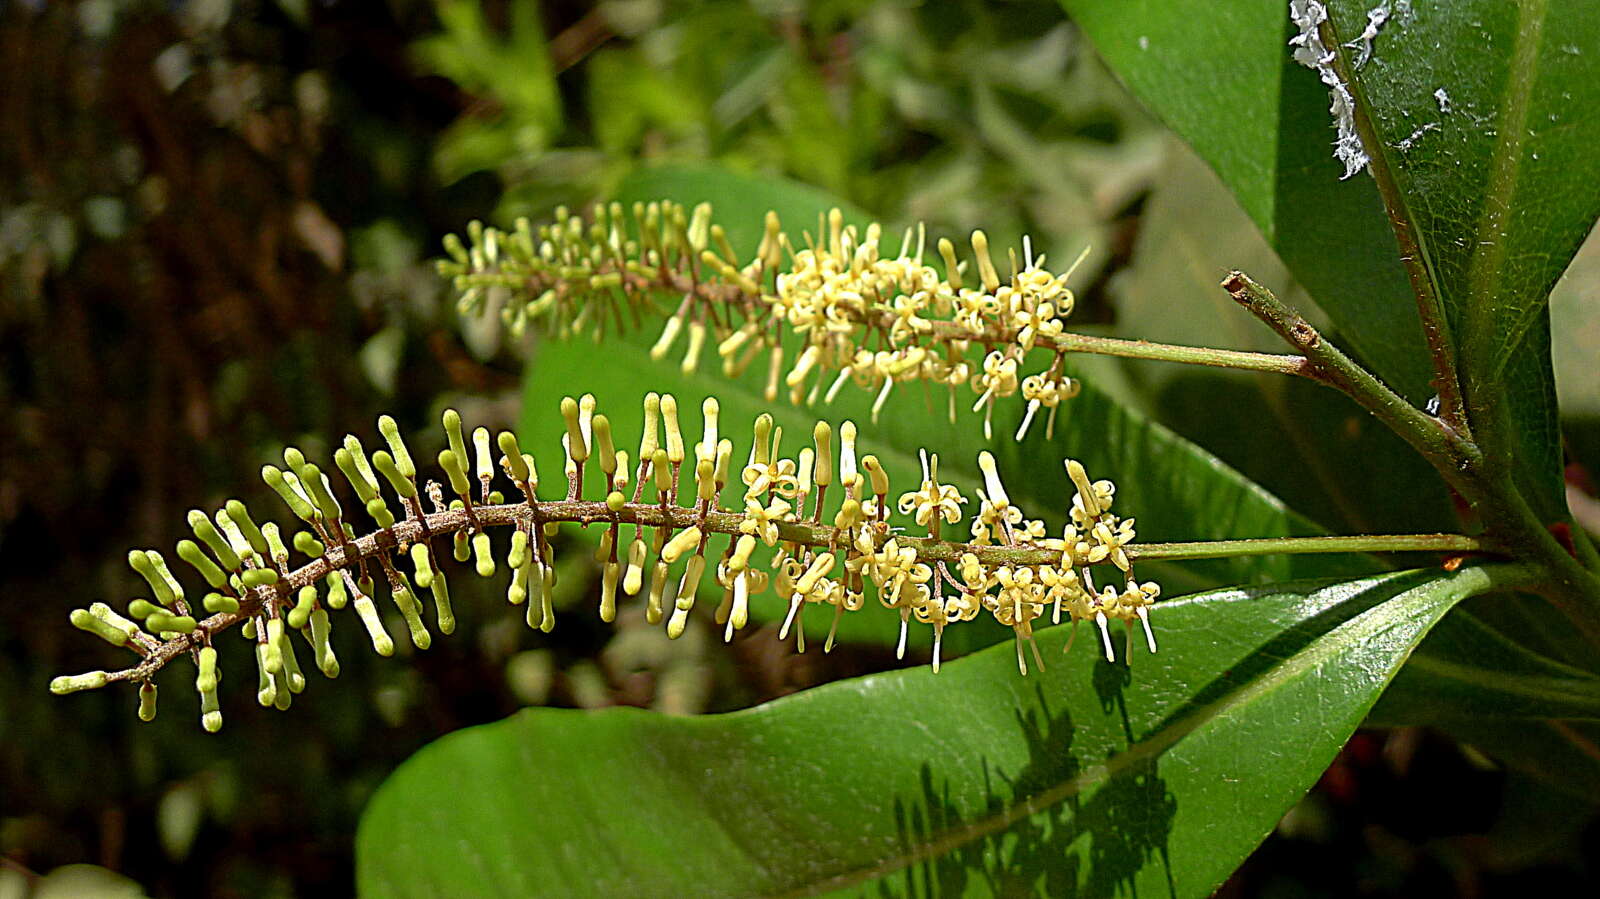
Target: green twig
1449, 451
1225, 549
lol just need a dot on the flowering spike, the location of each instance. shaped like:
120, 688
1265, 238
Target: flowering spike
823, 553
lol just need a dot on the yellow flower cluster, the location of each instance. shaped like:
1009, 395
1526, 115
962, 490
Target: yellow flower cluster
823, 514
835, 308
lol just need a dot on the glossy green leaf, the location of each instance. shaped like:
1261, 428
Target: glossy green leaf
1089, 778
1484, 113
1220, 74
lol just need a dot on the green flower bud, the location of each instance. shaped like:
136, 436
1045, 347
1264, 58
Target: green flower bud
411, 610
165, 623
382, 644
391, 472
301, 613
547, 592
441, 601
653, 609
280, 485
485, 556
207, 532
513, 460
337, 597
397, 446
190, 552
72, 683
577, 442
379, 510
266, 691
291, 666
322, 649
517, 593
274, 657
483, 456
453, 434
210, 712
424, 567
147, 702
279, 552
345, 460
283, 696
316, 484
680, 544
116, 622
235, 537
308, 545
207, 678
259, 577
247, 526
451, 463
143, 608
141, 562
216, 602
610, 575
519, 549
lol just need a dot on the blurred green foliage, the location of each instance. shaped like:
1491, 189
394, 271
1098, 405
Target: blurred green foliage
958, 114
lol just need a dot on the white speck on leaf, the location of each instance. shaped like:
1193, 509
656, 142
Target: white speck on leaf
1444, 100
1144, 42
1411, 141
1310, 52
1377, 17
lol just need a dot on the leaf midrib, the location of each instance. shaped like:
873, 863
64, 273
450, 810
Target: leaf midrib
1484, 280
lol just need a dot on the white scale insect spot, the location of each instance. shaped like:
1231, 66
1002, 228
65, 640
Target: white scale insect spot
1311, 52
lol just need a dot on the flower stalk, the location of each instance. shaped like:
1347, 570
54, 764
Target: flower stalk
812, 313
823, 547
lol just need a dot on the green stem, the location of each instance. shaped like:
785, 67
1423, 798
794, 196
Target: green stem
1164, 352
1453, 455
1275, 363
1224, 549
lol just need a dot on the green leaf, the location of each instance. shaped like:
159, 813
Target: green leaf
740, 201
1469, 672
1220, 74
1090, 778
1295, 437
1484, 116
